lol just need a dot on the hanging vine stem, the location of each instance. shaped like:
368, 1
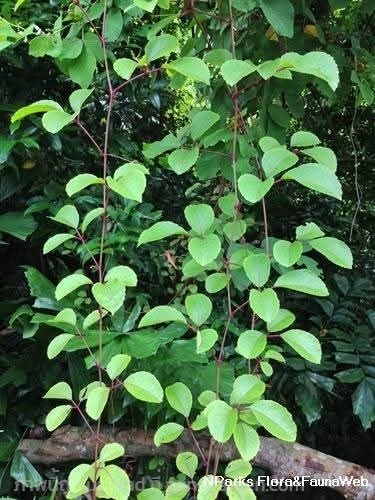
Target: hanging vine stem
356, 163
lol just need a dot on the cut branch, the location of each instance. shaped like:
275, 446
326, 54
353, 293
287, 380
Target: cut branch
283, 460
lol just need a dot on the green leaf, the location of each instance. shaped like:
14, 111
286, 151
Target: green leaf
180, 398
78, 477
302, 281
159, 147
264, 303
201, 122
122, 273
161, 46
247, 440
92, 318
246, 389
222, 420
71, 283
206, 339
111, 451
267, 143
234, 70
238, 469
161, 314
57, 416
61, 390
252, 188
280, 15
317, 63
150, 494
204, 250
257, 268
324, 156
77, 99
251, 343
363, 400
181, 160
198, 307
117, 365
200, 217
144, 386
37, 107
306, 344
209, 487
24, 472
129, 181
187, 463
67, 215
80, 182
309, 231
302, 139
287, 253
217, 57
316, 177
216, 282
17, 224
334, 250
177, 491
147, 5
57, 344
228, 204
54, 121
110, 295
277, 160
167, 433
234, 230
81, 70
125, 67
282, 320
275, 419
90, 216
159, 231
96, 401
240, 491
115, 482
113, 25
55, 241
192, 67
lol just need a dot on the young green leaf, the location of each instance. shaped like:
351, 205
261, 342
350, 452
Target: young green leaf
216, 282
115, 482
54, 121
110, 295
161, 46
161, 314
251, 343
206, 339
191, 67
264, 303
167, 433
234, 70
238, 469
306, 344
57, 344
150, 494
90, 216
67, 215
277, 160
55, 241
234, 230
308, 231
199, 217
246, 389
222, 420
130, 184
159, 231
111, 451
252, 188
96, 401
257, 268
144, 386
204, 250
201, 122
177, 491
240, 491
180, 398
70, 283
117, 365
247, 440
209, 487
180, 160
61, 390
316, 177
275, 419
282, 320
198, 307
334, 250
303, 281
80, 182
125, 67
187, 463
79, 476
122, 273
78, 97
302, 139
42, 106
287, 253
324, 156
57, 416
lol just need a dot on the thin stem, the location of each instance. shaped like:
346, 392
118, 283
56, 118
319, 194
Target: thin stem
134, 78
265, 225
200, 451
87, 133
